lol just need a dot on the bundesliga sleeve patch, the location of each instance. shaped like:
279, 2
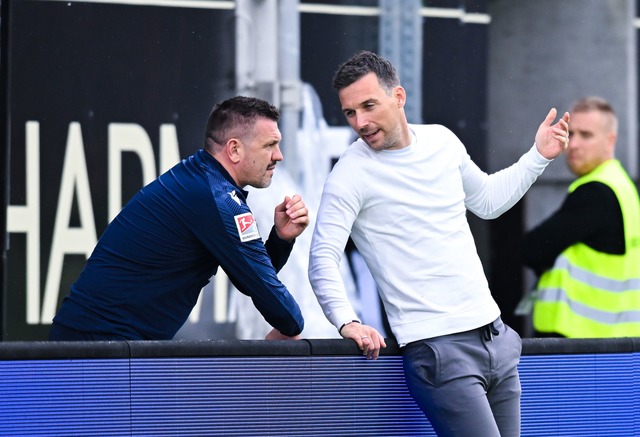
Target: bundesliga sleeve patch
247, 227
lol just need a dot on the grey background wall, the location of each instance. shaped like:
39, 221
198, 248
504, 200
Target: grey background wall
545, 54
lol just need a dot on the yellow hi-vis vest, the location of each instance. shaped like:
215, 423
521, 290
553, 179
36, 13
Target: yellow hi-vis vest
591, 294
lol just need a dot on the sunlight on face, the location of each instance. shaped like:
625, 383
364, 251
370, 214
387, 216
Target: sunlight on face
260, 154
375, 115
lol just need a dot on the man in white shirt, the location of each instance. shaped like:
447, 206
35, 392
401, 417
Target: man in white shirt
401, 192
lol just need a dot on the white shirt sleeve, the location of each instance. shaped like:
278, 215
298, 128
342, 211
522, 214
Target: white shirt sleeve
489, 196
336, 214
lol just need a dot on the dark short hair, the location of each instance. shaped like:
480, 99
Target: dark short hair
363, 63
235, 117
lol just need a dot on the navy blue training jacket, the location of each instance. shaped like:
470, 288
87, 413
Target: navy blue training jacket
146, 272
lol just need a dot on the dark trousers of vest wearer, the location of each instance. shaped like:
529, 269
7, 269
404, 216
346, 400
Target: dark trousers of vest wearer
467, 384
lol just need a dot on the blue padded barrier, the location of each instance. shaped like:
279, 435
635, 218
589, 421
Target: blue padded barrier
304, 388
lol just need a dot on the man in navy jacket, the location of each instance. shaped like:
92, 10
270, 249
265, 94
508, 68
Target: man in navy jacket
146, 272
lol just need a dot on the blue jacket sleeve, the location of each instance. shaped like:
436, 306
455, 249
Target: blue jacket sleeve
278, 249
230, 234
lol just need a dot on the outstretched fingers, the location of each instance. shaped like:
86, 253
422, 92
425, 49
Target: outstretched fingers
553, 139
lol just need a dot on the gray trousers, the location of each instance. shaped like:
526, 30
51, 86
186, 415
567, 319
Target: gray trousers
467, 384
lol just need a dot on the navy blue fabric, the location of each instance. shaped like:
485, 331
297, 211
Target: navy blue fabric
59, 332
146, 272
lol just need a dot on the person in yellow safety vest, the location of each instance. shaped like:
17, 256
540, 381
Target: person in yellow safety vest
587, 253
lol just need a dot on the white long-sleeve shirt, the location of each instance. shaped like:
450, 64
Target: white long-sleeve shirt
406, 212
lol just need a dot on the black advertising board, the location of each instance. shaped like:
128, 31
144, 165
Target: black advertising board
104, 95
102, 98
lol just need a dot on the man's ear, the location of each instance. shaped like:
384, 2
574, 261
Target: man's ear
400, 95
234, 150
612, 138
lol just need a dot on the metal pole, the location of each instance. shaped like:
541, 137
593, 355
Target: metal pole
289, 77
268, 63
401, 43
256, 49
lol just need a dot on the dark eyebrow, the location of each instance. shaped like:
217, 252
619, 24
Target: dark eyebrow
366, 102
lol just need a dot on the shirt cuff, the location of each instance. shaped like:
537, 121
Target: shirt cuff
279, 242
537, 157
